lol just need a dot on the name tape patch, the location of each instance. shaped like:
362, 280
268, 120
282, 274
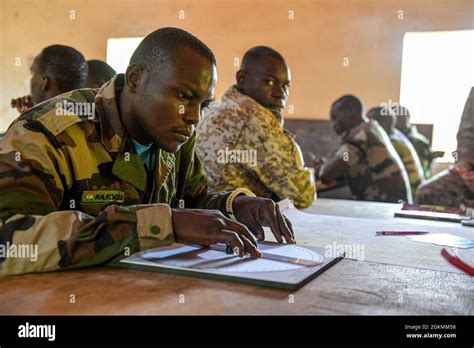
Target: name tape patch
103, 197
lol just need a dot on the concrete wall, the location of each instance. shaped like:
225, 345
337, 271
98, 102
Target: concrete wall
314, 40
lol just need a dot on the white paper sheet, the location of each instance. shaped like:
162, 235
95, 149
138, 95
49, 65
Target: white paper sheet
445, 239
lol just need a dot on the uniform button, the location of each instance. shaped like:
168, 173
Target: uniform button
155, 229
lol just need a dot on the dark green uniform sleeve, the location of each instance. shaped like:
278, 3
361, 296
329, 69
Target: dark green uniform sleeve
33, 178
196, 193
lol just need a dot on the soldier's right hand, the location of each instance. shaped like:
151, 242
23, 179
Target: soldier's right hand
206, 227
22, 104
457, 171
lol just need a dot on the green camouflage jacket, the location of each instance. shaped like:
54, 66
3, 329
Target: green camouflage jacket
72, 184
422, 148
409, 157
374, 171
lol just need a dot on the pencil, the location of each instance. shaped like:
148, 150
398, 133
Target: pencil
399, 233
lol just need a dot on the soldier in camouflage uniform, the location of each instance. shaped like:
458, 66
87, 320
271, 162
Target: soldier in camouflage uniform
242, 141
366, 159
386, 118
99, 73
55, 70
74, 183
455, 185
418, 140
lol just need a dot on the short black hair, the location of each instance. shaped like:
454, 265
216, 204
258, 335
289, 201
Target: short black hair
350, 103
385, 116
256, 53
380, 111
99, 73
66, 65
158, 48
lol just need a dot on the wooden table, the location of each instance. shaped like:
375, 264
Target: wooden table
349, 287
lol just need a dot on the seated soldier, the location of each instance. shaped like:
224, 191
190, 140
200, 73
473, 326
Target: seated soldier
55, 70
90, 191
419, 141
99, 73
386, 118
242, 141
455, 185
366, 159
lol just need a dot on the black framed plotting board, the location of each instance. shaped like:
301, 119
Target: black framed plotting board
202, 262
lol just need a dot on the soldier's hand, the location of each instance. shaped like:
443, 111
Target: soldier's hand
318, 162
468, 178
255, 212
22, 104
206, 227
458, 170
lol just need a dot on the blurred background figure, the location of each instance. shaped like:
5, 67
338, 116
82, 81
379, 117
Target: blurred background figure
55, 70
455, 185
247, 120
99, 73
419, 141
366, 158
386, 118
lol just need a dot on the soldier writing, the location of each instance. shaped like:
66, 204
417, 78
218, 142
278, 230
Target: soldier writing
48, 162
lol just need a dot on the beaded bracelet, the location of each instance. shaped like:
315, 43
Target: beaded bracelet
230, 200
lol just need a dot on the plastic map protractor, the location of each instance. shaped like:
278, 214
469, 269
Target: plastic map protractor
211, 260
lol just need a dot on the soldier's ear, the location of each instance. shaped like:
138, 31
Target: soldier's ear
241, 77
45, 83
132, 77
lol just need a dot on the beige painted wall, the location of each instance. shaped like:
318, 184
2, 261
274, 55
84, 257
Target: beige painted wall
315, 42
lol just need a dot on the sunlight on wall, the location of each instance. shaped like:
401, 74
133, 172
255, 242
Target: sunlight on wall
437, 75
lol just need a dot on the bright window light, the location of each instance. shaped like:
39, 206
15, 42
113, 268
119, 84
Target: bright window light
119, 51
437, 75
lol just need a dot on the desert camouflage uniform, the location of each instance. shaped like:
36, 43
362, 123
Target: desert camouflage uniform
443, 189
374, 171
77, 188
239, 123
422, 148
409, 157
